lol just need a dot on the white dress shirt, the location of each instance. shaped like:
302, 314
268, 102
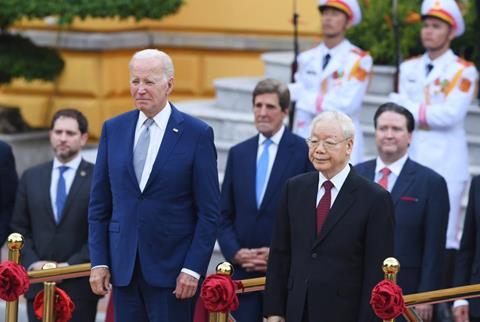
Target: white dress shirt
157, 130
272, 153
338, 180
68, 175
395, 168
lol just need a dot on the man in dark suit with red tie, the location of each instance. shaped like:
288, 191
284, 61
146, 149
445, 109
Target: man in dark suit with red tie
333, 231
420, 197
51, 212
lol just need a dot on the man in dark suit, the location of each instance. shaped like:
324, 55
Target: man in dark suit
51, 212
256, 170
154, 203
324, 260
420, 197
8, 188
468, 258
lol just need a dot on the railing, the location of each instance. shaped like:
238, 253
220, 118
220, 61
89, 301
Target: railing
48, 275
391, 268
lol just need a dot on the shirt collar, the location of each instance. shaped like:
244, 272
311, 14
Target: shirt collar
335, 50
446, 57
396, 167
160, 119
72, 164
338, 180
274, 138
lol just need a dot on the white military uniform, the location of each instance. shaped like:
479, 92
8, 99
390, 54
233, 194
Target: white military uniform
340, 86
439, 103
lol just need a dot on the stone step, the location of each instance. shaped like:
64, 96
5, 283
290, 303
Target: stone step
278, 65
235, 93
233, 125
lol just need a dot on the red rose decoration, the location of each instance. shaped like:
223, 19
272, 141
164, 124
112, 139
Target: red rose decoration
219, 293
63, 306
387, 300
13, 281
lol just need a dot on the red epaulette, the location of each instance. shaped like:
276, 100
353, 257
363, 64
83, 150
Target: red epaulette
359, 52
464, 62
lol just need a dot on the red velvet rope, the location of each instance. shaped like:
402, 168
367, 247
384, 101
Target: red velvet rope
63, 306
219, 293
13, 281
387, 300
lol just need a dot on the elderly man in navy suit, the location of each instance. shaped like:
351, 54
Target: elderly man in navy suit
420, 197
8, 188
256, 171
154, 202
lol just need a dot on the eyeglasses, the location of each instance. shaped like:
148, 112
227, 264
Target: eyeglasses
327, 144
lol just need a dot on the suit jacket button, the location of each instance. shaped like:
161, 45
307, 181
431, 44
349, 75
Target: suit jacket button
314, 255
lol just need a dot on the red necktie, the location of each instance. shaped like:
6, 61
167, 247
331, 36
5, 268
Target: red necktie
324, 205
384, 179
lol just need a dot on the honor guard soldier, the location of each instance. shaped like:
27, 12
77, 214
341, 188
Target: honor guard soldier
437, 88
333, 75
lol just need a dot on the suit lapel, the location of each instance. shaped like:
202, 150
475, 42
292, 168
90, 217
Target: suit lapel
345, 198
308, 206
282, 159
249, 170
404, 180
173, 132
46, 180
78, 181
370, 169
130, 137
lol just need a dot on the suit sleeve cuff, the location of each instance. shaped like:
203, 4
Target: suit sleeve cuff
100, 266
191, 273
458, 303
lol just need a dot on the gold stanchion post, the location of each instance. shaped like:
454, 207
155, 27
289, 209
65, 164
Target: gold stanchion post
15, 244
48, 297
391, 267
224, 268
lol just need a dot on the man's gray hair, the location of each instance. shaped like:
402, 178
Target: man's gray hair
273, 86
167, 64
345, 122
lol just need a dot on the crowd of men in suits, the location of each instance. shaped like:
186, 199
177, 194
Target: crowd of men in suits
302, 209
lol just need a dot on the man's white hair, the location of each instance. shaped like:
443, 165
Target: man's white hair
342, 119
166, 61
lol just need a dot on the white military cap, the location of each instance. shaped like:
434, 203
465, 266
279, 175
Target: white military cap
349, 7
445, 10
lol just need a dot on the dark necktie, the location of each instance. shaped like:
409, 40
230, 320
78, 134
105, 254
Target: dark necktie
324, 205
61, 192
141, 150
428, 68
326, 60
384, 179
